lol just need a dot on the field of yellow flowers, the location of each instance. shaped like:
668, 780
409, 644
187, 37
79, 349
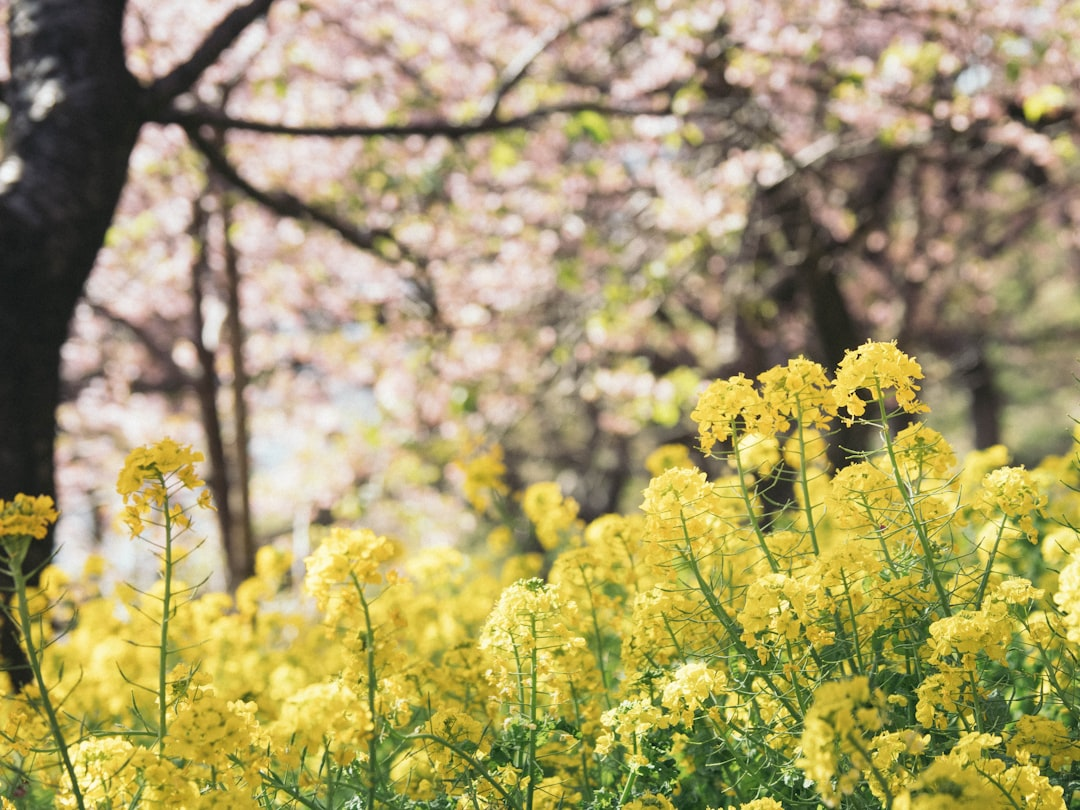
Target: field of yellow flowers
901, 631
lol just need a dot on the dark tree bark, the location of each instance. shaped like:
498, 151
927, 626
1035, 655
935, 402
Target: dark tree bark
73, 123
74, 115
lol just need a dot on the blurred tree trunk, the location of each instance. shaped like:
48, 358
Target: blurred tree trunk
986, 405
240, 545
73, 121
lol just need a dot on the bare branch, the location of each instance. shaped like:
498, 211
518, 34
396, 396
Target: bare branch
514, 72
288, 205
183, 77
203, 115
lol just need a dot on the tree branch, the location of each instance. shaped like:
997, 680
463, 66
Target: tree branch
379, 241
514, 72
288, 205
183, 77
202, 115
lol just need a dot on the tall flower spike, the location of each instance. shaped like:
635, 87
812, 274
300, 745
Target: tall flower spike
147, 475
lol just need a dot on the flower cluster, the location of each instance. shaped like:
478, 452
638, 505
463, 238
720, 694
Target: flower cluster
150, 479
783, 627
27, 516
344, 562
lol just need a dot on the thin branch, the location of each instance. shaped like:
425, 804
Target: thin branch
379, 241
518, 68
183, 77
288, 205
202, 115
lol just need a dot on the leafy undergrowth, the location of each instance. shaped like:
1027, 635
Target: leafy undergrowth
901, 632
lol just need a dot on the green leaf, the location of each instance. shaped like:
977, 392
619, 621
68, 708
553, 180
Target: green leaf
592, 124
502, 157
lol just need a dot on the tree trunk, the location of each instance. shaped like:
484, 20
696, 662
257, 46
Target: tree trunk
73, 121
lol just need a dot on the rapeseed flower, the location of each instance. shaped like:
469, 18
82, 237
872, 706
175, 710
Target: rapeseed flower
682, 508
553, 515
836, 736
864, 499
667, 456
1068, 597
690, 687
484, 478
328, 717
1012, 492
876, 368
799, 390
27, 516
921, 452
649, 801
1045, 740
151, 477
730, 407
345, 561
761, 804
528, 638
105, 774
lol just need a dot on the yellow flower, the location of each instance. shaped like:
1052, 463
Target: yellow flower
1068, 597
1012, 491
877, 367
166, 458
864, 498
969, 632
757, 453
553, 515
525, 633
894, 755
27, 516
649, 801
667, 456
761, 804
1015, 591
631, 720
799, 390
729, 406
691, 685
1048, 740
150, 479
484, 478
922, 452
104, 773
682, 507
328, 717
347, 559
834, 738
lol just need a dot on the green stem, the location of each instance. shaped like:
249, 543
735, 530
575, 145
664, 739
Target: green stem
599, 638
804, 484
759, 533
630, 780
882, 783
534, 692
166, 607
476, 764
26, 626
372, 694
730, 625
854, 623
989, 567
909, 503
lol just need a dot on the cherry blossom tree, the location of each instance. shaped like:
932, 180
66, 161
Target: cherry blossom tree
86, 80
354, 239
